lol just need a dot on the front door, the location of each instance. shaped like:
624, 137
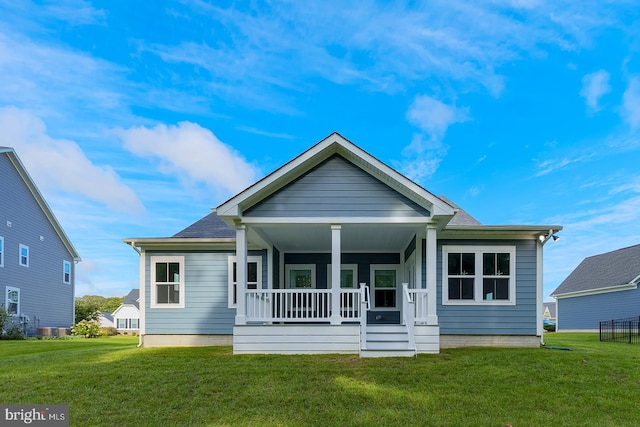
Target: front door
384, 294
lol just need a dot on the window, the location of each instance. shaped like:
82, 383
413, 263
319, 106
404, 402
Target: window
122, 323
301, 276
12, 301
348, 276
167, 282
479, 275
66, 272
134, 323
1, 251
385, 286
24, 255
254, 276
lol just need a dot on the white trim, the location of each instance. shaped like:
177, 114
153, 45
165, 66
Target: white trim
66, 263
398, 288
2, 251
539, 289
478, 275
153, 260
417, 221
6, 299
290, 267
231, 285
143, 294
20, 248
626, 287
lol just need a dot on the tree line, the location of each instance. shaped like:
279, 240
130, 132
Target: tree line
88, 307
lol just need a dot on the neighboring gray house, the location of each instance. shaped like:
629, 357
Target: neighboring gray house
37, 260
602, 287
106, 320
336, 252
126, 318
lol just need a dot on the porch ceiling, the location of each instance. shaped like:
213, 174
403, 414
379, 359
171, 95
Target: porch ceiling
354, 237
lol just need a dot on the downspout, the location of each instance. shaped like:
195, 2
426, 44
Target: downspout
140, 336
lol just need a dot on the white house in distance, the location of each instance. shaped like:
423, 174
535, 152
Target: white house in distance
336, 252
126, 318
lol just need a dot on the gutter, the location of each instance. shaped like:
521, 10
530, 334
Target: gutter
140, 336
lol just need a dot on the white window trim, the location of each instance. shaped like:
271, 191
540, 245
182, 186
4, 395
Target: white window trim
152, 280
343, 267
6, 299
230, 283
64, 265
372, 288
20, 255
1, 251
290, 267
477, 276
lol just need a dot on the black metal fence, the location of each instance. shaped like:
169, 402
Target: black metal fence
621, 330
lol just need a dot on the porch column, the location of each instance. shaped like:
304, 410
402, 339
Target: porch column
336, 318
430, 255
241, 274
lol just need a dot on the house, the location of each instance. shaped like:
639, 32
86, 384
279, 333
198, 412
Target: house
336, 252
106, 320
37, 260
549, 310
602, 287
126, 318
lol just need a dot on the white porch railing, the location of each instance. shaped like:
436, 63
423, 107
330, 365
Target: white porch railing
409, 314
300, 305
365, 304
421, 309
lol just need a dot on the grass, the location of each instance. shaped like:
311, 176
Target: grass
108, 381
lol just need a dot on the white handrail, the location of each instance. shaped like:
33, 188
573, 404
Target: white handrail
365, 303
408, 312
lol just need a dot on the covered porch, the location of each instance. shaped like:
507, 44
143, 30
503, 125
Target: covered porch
348, 287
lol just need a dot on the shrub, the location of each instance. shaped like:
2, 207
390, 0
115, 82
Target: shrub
9, 328
108, 331
86, 328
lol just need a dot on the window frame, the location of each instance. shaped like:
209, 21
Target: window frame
478, 275
1, 251
310, 267
344, 267
231, 284
20, 248
65, 280
7, 290
153, 260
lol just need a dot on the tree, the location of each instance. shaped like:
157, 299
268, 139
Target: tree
88, 307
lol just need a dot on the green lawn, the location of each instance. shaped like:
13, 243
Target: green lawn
110, 382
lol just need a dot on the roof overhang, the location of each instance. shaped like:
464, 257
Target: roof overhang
232, 210
22, 171
497, 231
179, 243
603, 290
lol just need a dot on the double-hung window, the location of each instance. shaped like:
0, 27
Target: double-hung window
24, 255
482, 275
12, 301
254, 277
167, 282
66, 272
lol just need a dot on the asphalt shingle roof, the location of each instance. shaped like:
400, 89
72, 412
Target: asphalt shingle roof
132, 298
609, 269
461, 217
211, 226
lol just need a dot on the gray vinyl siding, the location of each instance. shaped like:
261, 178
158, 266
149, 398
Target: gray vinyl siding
586, 312
518, 319
337, 188
206, 301
44, 296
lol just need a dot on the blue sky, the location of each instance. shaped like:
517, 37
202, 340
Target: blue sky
134, 121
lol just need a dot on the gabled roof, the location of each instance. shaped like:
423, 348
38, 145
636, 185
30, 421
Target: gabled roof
132, 298
606, 272
22, 171
461, 217
332, 145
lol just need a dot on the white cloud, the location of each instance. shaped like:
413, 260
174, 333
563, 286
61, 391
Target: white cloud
594, 86
434, 117
61, 165
631, 103
192, 152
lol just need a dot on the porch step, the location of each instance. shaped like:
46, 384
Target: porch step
387, 341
